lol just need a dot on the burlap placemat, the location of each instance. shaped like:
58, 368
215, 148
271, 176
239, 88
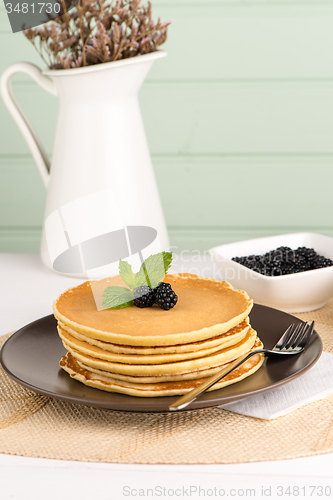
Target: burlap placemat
36, 426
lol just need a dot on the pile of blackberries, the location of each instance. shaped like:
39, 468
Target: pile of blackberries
284, 260
162, 295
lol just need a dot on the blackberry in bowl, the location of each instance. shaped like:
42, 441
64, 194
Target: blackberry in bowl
292, 272
284, 260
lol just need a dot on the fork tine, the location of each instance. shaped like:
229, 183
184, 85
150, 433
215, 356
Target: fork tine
285, 337
296, 335
304, 339
301, 332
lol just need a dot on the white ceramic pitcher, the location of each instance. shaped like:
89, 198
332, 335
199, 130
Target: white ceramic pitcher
101, 178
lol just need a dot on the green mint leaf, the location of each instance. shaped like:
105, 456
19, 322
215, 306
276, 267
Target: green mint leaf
126, 273
167, 260
140, 278
117, 297
153, 269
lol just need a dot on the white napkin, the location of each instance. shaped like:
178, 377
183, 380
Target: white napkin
315, 384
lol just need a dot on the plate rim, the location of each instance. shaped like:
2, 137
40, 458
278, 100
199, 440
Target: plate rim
212, 401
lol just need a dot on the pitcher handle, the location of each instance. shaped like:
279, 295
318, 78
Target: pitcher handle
23, 123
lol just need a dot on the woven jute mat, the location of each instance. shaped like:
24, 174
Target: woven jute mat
37, 426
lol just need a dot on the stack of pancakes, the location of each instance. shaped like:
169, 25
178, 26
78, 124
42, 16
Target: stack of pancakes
151, 352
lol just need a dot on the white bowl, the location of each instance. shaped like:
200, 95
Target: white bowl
298, 292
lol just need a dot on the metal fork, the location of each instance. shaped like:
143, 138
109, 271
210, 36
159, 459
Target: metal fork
293, 341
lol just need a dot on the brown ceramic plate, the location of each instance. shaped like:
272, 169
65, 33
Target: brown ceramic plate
32, 354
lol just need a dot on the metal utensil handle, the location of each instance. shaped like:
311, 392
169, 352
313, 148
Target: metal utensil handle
195, 393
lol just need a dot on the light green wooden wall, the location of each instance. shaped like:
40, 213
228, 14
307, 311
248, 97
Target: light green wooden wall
239, 119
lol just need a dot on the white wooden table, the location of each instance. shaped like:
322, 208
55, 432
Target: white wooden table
27, 290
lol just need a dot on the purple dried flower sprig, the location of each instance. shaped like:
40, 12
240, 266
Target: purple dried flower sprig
94, 32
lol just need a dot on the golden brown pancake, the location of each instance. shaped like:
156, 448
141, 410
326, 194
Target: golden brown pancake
110, 384
230, 337
218, 358
142, 359
173, 377
206, 308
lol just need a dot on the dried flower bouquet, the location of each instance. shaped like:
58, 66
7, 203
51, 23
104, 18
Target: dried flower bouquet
95, 32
